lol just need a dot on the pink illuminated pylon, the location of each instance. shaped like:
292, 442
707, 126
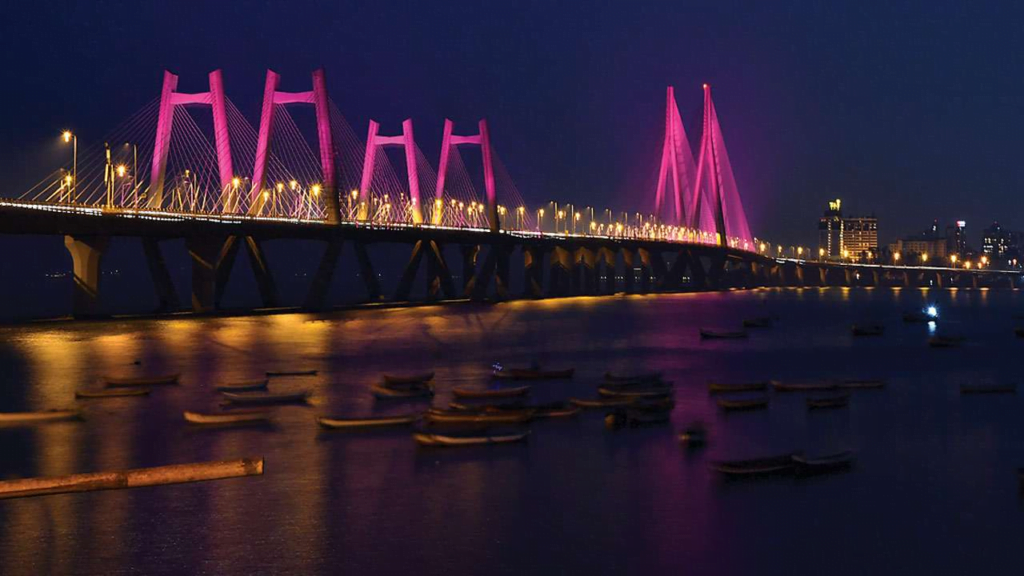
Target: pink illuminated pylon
169, 98
715, 194
406, 140
318, 98
677, 159
483, 140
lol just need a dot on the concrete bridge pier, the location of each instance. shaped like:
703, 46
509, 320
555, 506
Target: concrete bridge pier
559, 278
212, 260
167, 296
367, 273
469, 256
317, 295
264, 278
628, 275
86, 257
588, 259
607, 256
533, 272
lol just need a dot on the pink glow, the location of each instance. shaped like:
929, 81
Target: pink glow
406, 140
482, 139
677, 159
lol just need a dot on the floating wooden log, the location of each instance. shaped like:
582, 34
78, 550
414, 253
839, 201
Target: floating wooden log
159, 475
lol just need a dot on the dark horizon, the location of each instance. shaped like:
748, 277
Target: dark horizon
900, 110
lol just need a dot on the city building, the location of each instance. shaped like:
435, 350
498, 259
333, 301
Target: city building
956, 238
830, 231
853, 237
998, 243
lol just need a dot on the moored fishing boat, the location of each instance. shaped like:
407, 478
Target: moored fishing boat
532, 374
825, 402
802, 386
246, 386
120, 381
737, 387
823, 464
988, 388
459, 417
756, 466
722, 334
273, 373
40, 416
868, 329
559, 412
235, 417
633, 418
694, 436
602, 402
396, 380
424, 439
632, 393
386, 393
462, 392
111, 393
334, 423
743, 404
516, 404
266, 398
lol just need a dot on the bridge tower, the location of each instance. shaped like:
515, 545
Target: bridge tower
677, 159
406, 140
169, 98
318, 98
482, 139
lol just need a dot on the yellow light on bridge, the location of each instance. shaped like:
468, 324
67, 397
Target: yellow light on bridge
896, 256
280, 186
846, 253
541, 212
953, 259
984, 260
293, 184
924, 257
577, 216
236, 181
967, 264
266, 194
800, 251
121, 169
521, 209
763, 247
821, 252
66, 136
354, 193
316, 189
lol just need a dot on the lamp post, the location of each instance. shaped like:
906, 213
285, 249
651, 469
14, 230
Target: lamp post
68, 136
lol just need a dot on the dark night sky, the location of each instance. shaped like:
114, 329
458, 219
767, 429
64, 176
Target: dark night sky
906, 109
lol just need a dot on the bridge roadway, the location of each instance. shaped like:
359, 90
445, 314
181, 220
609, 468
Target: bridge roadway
553, 265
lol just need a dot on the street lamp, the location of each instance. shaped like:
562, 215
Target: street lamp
67, 136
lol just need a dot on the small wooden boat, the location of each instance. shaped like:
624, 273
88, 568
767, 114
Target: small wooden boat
762, 322
243, 386
220, 419
756, 466
111, 393
825, 402
396, 380
802, 386
424, 439
628, 393
743, 404
737, 387
861, 384
988, 388
868, 329
823, 464
40, 416
516, 404
385, 393
461, 392
458, 417
273, 373
333, 423
602, 402
531, 374
945, 341
266, 398
722, 335
633, 418
642, 377
119, 381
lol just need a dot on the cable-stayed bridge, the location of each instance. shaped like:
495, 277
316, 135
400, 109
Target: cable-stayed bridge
190, 165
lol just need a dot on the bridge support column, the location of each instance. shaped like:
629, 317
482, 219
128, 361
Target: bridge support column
716, 271
367, 273
496, 265
698, 276
212, 260
588, 266
409, 274
439, 276
86, 258
166, 295
316, 298
559, 280
469, 255
608, 257
533, 272
628, 271
645, 270
260, 268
